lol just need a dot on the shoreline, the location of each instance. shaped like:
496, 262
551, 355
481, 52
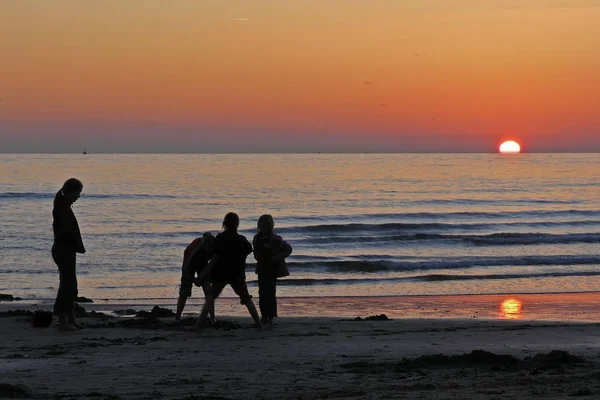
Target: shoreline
562, 307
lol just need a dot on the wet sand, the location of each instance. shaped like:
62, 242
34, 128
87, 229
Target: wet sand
300, 358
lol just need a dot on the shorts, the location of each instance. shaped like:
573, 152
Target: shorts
239, 287
185, 289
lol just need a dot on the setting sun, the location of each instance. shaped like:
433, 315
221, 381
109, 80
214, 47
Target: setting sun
510, 146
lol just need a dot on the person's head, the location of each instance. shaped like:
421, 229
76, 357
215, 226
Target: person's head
231, 222
265, 224
71, 190
208, 240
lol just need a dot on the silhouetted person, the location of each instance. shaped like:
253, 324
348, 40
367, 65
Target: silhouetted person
195, 258
228, 267
270, 252
67, 243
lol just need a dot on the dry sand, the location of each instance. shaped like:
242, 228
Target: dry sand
300, 358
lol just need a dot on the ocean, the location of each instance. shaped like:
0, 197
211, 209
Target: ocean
363, 225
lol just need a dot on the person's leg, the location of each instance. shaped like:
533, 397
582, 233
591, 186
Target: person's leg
241, 290
67, 289
180, 306
271, 298
74, 293
207, 290
261, 298
253, 313
209, 304
185, 291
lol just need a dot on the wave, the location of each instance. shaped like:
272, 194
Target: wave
464, 263
449, 215
397, 226
368, 264
334, 233
533, 238
40, 195
428, 278
493, 239
496, 201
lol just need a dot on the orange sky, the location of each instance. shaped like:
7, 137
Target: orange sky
350, 75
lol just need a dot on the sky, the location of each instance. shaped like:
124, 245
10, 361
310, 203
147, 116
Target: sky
150, 76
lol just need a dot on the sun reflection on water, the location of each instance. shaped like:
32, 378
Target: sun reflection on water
511, 309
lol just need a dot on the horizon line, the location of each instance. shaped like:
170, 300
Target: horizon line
301, 153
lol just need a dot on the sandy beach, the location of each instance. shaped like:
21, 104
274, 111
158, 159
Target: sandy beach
299, 358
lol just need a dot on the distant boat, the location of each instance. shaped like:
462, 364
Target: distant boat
84, 152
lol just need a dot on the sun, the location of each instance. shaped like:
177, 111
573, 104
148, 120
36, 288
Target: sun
510, 146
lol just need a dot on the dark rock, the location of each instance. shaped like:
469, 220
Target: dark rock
143, 314
83, 300
79, 311
156, 312
98, 314
6, 297
8, 391
42, 319
129, 311
161, 312
476, 357
556, 357
380, 317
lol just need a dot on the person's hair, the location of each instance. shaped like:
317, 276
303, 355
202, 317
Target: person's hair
208, 238
71, 185
268, 219
231, 221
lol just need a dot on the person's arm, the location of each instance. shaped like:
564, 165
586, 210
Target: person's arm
248, 247
80, 248
257, 252
206, 270
69, 228
285, 249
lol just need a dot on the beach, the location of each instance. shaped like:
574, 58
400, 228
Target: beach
302, 357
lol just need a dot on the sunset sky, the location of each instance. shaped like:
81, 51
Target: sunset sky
299, 75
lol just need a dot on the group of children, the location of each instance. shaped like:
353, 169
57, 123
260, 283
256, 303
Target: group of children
210, 262
215, 262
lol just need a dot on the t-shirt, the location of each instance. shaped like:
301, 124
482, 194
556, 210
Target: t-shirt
196, 257
232, 249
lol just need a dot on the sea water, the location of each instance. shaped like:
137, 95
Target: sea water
360, 224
